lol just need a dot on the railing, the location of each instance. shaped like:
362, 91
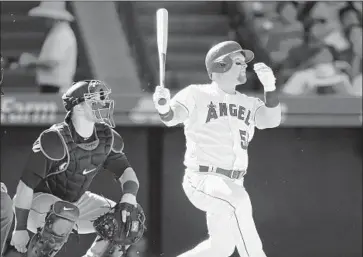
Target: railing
135, 40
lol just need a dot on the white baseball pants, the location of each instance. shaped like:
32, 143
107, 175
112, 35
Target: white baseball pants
229, 216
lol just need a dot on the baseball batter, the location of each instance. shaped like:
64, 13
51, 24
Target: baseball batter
219, 124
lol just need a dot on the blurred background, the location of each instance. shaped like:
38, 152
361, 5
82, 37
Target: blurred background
305, 177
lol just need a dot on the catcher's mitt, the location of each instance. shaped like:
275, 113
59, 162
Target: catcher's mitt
110, 226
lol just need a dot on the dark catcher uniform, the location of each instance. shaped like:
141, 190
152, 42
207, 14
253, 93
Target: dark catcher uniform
70, 176
61, 168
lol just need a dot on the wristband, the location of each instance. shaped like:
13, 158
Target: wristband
271, 99
21, 218
130, 187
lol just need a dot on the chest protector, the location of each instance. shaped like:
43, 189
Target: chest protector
70, 177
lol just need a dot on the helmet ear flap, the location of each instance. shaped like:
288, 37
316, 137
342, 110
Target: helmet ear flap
222, 65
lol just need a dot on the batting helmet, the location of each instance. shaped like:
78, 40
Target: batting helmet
96, 94
218, 57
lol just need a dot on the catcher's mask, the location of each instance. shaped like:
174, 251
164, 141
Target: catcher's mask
96, 95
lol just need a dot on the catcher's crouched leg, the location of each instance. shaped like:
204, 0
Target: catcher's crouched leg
115, 236
59, 223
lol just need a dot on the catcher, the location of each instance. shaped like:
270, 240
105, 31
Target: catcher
52, 198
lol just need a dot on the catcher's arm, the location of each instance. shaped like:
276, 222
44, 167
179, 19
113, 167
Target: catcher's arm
46, 149
118, 164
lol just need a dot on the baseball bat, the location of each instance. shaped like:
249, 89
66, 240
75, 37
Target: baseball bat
162, 40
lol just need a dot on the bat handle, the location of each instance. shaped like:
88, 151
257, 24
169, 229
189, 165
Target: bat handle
162, 101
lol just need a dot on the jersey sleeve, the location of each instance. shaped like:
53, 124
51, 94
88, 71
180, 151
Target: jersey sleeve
185, 98
257, 103
116, 161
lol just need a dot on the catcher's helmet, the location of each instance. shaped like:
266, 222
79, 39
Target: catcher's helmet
96, 94
218, 57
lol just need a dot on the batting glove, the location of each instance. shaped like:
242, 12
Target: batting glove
162, 93
266, 76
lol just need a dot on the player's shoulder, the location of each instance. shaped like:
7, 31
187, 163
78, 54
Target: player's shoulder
199, 88
51, 143
117, 142
190, 91
250, 99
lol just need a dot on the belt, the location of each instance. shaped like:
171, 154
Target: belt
233, 174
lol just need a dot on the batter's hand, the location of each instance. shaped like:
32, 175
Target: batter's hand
131, 203
266, 76
19, 240
162, 93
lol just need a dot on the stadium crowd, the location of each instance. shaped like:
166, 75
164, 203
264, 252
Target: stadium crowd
316, 47
311, 51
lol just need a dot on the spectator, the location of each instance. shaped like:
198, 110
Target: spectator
321, 77
357, 85
298, 55
55, 66
339, 40
355, 39
303, 9
280, 6
349, 16
358, 5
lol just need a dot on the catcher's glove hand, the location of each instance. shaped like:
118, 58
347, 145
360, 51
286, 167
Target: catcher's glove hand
110, 226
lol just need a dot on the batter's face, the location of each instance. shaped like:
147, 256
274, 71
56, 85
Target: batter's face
237, 74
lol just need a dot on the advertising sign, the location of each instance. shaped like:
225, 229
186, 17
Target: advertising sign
20, 110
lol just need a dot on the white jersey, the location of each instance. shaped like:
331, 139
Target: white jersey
219, 126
